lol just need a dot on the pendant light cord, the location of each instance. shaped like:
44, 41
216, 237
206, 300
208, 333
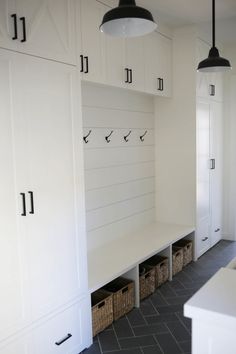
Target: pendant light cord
213, 23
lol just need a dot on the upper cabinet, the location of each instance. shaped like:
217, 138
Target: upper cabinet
91, 42
158, 64
42, 28
209, 85
143, 63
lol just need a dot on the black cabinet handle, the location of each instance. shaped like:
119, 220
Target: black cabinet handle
24, 29
159, 87
217, 230
213, 164
162, 85
130, 76
23, 204
204, 239
127, 76
87, 65
31, 202
212, 90
15, 26
64, 339
81, 63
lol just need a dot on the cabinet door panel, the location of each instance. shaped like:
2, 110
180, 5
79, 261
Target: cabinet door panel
115, 59
151, 64
165, 62
45, 96
93, 41
12, 311
135, 61
49, 29
203, 79
7, 32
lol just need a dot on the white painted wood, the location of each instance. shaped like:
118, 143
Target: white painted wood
12, 305
50, 28
212, 310
74, 321
100, 237
203, 79
102, 197
133, 274
148, 241
93, 41
134, 49
95, 159
112, 213
16, 346
165, 61
115, 61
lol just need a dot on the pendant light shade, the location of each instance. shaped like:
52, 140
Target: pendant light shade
214, 63
128, 20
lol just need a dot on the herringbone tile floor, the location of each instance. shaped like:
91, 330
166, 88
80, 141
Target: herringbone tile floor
159, 326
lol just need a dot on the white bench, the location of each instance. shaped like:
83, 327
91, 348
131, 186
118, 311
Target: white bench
123, 255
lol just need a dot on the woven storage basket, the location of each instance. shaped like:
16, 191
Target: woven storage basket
161, 266
123, 296
187, 246
177, 259
146, 281
102, 310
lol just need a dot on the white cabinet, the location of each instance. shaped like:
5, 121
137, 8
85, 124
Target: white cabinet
134, 72
115, 61
41, 28
91, 49
158, 64
43, 254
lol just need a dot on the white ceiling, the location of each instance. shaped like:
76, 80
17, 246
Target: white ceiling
185, 12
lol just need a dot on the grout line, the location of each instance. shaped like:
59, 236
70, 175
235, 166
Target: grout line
188, 330
175, 340
116, 336
156, 340
130, 325
99, 344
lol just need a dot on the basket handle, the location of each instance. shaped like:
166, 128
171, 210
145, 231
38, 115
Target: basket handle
125, 290
147, 275
177, 254
188, 246
101, 304
162, 264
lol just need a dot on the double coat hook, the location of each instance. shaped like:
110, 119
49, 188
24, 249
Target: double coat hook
108, 136
142, 136
126, 136
86, 137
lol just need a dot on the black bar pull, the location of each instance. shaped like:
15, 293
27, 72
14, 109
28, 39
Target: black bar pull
162, 85
130, 76
159, 84
87, 65
127, 76
213, 164
212, 90
64, 339
15, 26
24, 29
81, 63
204, 239
23, 204
31, 202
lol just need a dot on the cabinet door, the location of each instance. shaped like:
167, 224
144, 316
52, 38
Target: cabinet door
203, 79
49, 28
12, 310
165, 64
216, 79
115, 61
7, 24
134, 48
216, 173
93, 41
151, 64
45, 98
203, 177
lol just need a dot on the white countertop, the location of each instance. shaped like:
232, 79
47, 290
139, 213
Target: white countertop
216, 300
115, 258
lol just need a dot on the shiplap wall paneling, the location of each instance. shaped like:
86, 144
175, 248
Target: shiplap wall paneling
119, 174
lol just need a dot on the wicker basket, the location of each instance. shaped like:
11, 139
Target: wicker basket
123, 296
187, 246
161, 265
102, 310
146, 281
177, 259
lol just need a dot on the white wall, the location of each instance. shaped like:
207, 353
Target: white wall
119, 176
176, 138
229, 220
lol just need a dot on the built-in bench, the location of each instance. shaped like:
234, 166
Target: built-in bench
123, 256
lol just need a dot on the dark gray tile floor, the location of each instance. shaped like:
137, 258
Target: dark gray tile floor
159, 326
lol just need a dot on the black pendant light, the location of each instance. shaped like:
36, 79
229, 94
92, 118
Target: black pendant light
214, 63
127, 20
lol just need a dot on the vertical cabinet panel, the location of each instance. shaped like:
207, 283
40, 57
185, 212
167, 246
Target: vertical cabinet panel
93, 41
165, 63
134, 48
44, 92
44, 28
12, 311
115, 61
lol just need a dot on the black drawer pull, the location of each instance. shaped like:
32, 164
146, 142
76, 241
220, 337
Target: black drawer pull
32, 202
217, 230
64, 339
87, 65
23, 204
127, 76
130, 76
24, 29
82, 63
15, 26
125, 290
204, 239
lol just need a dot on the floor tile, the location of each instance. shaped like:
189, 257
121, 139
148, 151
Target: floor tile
162, 318
122, 328
137, 342
170, 309
179, 331
108, 341
168, 344
136, 318
126, 351
185, 346
94, 349
151, 350
147, 308
150, 329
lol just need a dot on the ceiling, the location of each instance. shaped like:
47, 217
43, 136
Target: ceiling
176, 13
